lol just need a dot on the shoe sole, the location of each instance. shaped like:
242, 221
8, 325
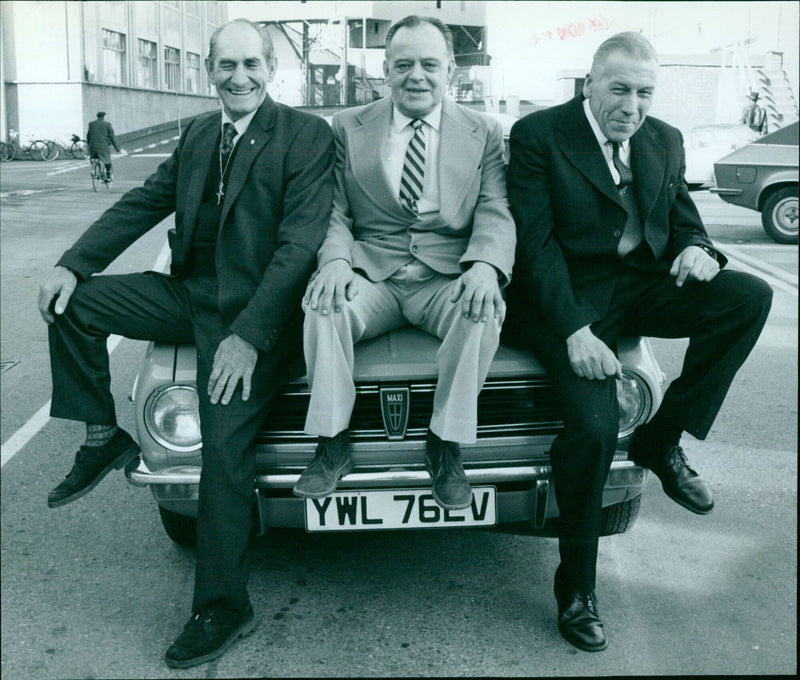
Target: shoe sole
345, 470
117, 464
585, 648
439, 501
686, 505
245, 629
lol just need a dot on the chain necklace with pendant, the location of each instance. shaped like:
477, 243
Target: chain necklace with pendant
222, 171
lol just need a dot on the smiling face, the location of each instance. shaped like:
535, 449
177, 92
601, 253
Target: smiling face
240, 71
620, 93
418, 68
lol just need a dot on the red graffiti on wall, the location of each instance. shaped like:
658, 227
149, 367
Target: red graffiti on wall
573, 30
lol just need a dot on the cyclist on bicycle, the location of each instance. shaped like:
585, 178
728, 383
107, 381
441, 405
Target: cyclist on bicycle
99, 137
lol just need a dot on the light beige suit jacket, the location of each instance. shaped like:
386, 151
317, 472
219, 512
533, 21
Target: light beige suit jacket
372, 230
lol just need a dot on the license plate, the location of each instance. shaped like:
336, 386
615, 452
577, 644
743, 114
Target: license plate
396, 509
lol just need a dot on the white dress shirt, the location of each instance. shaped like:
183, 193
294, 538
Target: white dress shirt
393, 155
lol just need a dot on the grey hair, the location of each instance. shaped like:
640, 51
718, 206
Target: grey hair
414, 20
632, 44
266, 39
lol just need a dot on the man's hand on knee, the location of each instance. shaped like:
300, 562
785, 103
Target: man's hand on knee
234, 360
330, 286
590, 357
60, 285
693, 264
480, 294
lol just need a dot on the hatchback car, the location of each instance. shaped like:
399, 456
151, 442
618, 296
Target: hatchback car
763, 176
389, 488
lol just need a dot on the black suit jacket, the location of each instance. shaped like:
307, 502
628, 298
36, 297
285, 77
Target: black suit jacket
274, 215
570, 217
99, 136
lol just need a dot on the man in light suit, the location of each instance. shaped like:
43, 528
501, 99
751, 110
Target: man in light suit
610, 244
420, 233
251, 189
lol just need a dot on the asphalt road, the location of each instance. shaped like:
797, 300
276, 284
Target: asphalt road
97, 590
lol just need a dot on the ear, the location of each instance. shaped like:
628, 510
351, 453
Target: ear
272, 67
587, 86
385, 68
451, 69
209, 66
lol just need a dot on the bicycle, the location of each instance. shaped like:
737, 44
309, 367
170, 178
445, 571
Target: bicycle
38, 150
79, 148
99, 174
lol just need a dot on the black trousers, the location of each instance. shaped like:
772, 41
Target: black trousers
722, 318
152, 306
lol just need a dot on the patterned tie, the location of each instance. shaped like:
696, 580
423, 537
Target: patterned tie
226, 146
413, 168
625, 174
632, 235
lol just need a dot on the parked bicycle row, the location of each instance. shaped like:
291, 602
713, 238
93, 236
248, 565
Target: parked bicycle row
43, 149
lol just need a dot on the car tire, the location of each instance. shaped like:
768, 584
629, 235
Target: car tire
180, 528
618, 518
779, 215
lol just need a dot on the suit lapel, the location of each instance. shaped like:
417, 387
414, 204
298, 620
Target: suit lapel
648, 164
196, 155
365, 157
257, 134
579, 145
459, 159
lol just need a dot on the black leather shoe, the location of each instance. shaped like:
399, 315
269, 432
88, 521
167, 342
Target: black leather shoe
578, 620
451, 489
92, 463
332, 461
679, 481
207, 635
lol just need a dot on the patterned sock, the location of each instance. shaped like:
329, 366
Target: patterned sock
99, 435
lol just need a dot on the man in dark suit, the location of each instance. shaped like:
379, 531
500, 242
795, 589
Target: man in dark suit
100, 137
611, 244
251, 189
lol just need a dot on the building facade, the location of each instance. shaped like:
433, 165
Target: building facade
142, 62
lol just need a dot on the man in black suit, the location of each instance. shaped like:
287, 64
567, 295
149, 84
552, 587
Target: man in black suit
251, 189
610, 244
100, 137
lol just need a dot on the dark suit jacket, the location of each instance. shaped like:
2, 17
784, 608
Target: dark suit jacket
274, 215
99, 136
570, 217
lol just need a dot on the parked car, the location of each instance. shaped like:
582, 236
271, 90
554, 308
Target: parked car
763, 176
389, 488
704, 144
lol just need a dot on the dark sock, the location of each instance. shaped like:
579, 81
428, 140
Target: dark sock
99, 435
659, 434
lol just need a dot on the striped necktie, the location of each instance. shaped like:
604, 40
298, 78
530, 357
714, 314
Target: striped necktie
413, 168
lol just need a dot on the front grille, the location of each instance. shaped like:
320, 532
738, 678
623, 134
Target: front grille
505, 408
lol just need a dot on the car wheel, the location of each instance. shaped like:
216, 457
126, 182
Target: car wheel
180, 528
779, 215
618, 518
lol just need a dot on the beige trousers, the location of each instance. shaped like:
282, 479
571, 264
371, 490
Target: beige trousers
418, 295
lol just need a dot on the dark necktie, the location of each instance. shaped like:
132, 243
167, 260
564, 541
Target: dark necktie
413, 168
632, 235
625, 174
226, 146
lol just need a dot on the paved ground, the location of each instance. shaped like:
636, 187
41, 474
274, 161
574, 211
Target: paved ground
97, 590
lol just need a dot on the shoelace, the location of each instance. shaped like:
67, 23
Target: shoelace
678, 457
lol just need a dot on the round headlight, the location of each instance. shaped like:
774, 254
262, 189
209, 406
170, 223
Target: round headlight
172, 417
635, 403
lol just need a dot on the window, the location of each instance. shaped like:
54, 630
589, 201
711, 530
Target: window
114, 57
192, 8
148, 64
192, 72
172, 69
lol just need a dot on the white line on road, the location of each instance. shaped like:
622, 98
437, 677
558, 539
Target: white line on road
152, 155
17, 441
775, 277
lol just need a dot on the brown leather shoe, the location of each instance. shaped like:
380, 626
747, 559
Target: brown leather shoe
331, 462
450, 487
578, 620
679, 481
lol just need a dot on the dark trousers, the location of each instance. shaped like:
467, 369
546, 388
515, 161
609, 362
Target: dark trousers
152, 306
722, 318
